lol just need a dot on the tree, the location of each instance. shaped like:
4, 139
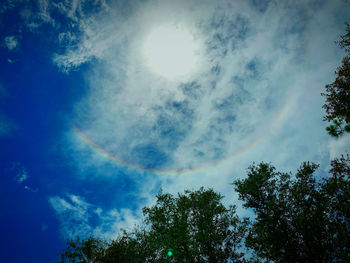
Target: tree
337, 94
126, 248
196, 226
337, 190
84, 251
301, 219
192, 227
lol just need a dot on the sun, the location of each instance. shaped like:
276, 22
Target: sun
171, 52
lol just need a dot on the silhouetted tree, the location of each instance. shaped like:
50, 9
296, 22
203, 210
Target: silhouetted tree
301, 219
84, 251
337, 94
196, 226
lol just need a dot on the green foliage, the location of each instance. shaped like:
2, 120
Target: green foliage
345, 39
337, 191
298, 220
196, 226
337, 94
84, 251
125, 248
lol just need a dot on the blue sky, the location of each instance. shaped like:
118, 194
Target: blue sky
91, 127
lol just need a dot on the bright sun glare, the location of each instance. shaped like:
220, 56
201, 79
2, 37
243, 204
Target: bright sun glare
170, 51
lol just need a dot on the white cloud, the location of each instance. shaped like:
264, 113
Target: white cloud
255, 95
72, 216
339, 146
76, 9
113, 221
8, 5
33, 16
80, 218
44, 12
30, 189
21, 173
11, 42
20, 178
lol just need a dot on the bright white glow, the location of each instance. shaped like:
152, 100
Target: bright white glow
171, 51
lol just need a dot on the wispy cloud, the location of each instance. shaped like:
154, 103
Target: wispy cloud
339, 146
80, 218
11, 42
21, 173
73, 215
21, 176
8, 5
30, 189
77, 9
34, 16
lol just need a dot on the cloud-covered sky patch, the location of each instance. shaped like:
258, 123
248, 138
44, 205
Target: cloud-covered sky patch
250, 61
11, 42
78, 218
21, 173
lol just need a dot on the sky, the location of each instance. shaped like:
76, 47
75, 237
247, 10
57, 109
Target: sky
104, 103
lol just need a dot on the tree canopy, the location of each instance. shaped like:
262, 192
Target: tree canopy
337, 94
298, 219
196, 226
